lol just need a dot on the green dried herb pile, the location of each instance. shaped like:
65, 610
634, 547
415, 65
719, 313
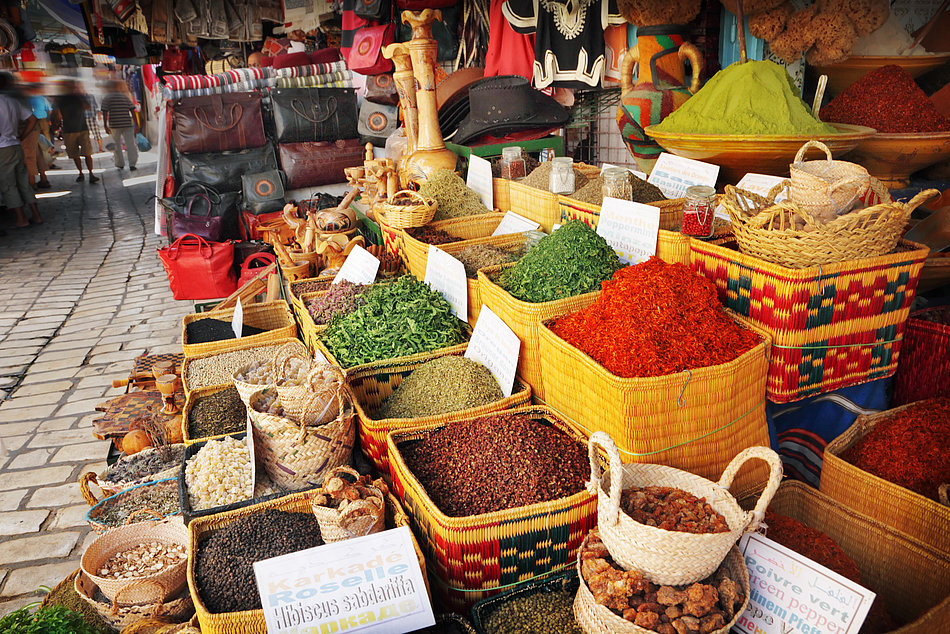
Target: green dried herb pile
455, 199
447, 384
478, 256
542, 611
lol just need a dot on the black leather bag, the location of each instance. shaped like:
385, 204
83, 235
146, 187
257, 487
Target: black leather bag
373, 9
223, 211
223, 170
264, 192
314, 114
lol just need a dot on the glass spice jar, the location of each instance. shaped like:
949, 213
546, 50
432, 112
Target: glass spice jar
512, 164
532, 238
561, 180
699, 211
617, 183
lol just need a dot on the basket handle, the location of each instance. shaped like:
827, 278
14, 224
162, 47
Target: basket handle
142, 511
357, 506
283, 356
756, 515
818, 144
162, 590
425, 202
603, 439
943, 493
84, 489
919, 199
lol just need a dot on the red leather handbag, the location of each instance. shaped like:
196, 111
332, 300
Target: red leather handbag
249, 272
366, 56
218, 123
174, 60
198, 269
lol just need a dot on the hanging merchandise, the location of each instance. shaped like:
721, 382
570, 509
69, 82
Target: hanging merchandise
419, 5
382, 89
123, 9
263, 192
223, 170
377, 10
174, 60
218, 123
366, 56
314, 114
198, 269
445, 32
319, 162
351, 24
377, 122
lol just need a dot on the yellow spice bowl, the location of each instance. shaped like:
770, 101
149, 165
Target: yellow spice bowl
892, 158
739, 154
843, 74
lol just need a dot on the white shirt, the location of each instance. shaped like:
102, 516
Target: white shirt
12, 113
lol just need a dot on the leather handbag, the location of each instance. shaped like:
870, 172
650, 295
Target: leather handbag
382, 89
373, 9
218, 123
314, 114
263, 192
209, 227
252, 225
419, 5
377, 122
320, 163
223, 170
223, 206
174, 60
444, 32
366, 56
198, 269
253, 264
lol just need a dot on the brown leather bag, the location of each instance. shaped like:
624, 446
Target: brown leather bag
218, 123
319, 162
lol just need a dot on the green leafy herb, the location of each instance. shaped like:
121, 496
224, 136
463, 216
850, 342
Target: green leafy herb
455, 198
53, 619
571, 261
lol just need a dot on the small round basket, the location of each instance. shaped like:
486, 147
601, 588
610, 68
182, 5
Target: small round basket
171, 579
126, 497
407, 209
670, 557
121, 615
358, 519
826, 189
318, 399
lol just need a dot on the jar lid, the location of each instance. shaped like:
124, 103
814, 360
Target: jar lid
615, 172
701, 191
562, 160
511, 152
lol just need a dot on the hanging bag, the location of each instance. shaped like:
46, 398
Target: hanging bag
314, 114
377, 10
366, 56
218, 123
198, 269
263, 192
207, 226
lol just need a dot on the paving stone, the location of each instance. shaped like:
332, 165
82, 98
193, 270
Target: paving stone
20, 402
11, 414
15, 429
52, 366
57, 424
10, 500
21, 523
79, 407
73, 356
25, 580
45, 546
30, 459
12, 443
83, 451
34, 477
60, 438
56, 375
56, 495
112, 357
48, 387
69, 517
12, 605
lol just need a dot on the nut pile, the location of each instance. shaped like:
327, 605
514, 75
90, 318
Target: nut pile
700, 608
219, 474
144, 560
496, 462
161, 498
671, 509
269, 403
360, 503
447, 384
220, 413
218, 369
548, 610
145, 463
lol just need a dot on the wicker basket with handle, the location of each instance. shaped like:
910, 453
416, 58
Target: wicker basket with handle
120, 615
318, 399
407, 209
359, 518
826, 189
290, 350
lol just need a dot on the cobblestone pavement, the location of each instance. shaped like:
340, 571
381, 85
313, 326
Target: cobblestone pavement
84, 294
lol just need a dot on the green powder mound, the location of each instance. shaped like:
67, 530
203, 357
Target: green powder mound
750, 98
447, 384
455, 199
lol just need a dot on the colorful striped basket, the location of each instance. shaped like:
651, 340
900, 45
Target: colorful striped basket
475, 557
274, 317
392, 237
309, 329
696, 420
831, 326
371, 386
916, 515
923, 370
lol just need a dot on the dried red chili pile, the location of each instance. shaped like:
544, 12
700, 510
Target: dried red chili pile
910, 449
672, 509
888, 100
432, 236
654, 319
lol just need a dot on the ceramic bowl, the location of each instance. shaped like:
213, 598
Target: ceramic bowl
892, 158
843, 74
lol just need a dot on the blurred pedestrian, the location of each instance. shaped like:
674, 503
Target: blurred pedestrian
33, 152
16, 122
117, 111
70, 109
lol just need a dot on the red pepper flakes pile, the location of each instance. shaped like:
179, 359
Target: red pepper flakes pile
654, 319
888, 100
910, 449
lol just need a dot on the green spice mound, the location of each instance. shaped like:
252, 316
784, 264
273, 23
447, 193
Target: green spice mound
398, 319
571, 261
447, 384
455, 199
478, 256
750, 98
54, 619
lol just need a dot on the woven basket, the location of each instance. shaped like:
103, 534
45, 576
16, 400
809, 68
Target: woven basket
111, 487
171, 579
418, 212
469, 230
119, 498
670, 557
371, 386
318, 401
923, 370
473, 556
282, 355
230, 361
534, 204
274, 317
826, 189
911, 578
322, 349
193, 397
902, 509
360, 518
770, 231
296, 456
392, 237
310, 329
595, 618
120, 616
294, 295
694, 420
525, 318
484, 609
63, 594
250, 621
501, 194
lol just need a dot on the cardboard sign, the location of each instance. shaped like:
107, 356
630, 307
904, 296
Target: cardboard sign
606, 166
630, 228
479, 179
675, 174
237, 319
792, 594
447, 275
759, 184
495, 346
363, 584
514, 223
360, 267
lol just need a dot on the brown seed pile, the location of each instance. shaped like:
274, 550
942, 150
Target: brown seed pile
643, 192
143, 560
478, 256
496, 462
430, 235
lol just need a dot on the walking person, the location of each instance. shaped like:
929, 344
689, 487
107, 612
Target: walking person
16, 123
70, 108
117, 119
32, 150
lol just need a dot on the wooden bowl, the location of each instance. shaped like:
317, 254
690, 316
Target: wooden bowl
739, 154
843, 74
892, 158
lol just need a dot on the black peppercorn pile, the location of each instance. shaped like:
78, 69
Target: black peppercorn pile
495, 463
219, 413
206, 330
224, 562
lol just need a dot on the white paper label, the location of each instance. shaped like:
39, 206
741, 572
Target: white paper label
496, 346
252, 449
641, 175
360, 267
793, 594
675, 174
237, 319
363, 584
760, 184
480, 179
630, 228
514, 223
447, 275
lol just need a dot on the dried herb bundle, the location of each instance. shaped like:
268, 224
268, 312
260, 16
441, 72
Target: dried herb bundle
455, 199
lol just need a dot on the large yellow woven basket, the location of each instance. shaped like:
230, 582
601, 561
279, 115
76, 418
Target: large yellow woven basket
309, 329
252, 621
469, 230
501, 195
695, 420
274, 317
902, 509
524, 318
534, 204
294, 293
371, 386
912, 578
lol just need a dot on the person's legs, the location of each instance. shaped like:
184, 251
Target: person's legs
130, 147
117, 158
12, 172
85, 149
30, 146
72, 141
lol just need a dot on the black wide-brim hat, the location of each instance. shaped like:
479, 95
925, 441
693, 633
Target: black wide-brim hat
508, 103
